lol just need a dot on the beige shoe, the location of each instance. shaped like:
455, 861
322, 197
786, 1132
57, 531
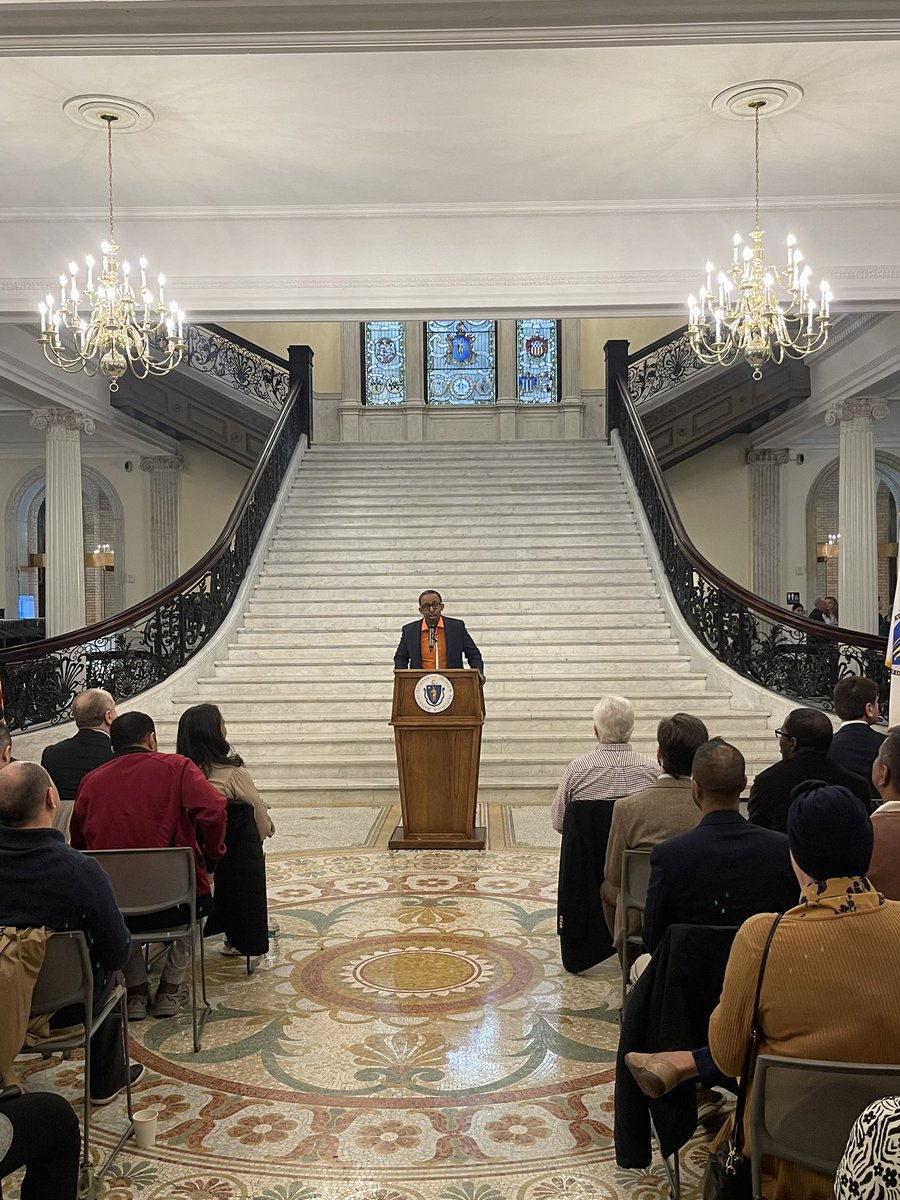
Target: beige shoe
653, 1074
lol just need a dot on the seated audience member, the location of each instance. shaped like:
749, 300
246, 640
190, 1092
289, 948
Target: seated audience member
884, 870
40, 1131
69, 761
724, 870
5, 745
870, 1168
804, 740
44, 882
666, 808
856, 744
240, 897
831, 979
143, 800
610, 771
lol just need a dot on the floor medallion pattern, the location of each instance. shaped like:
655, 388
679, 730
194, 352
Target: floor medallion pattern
412, 1036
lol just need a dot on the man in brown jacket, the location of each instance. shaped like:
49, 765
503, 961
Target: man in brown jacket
646, 818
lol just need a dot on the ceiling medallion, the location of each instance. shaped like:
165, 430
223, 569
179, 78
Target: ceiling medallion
111, 324
763, 313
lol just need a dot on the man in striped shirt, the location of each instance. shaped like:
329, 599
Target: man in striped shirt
610, 771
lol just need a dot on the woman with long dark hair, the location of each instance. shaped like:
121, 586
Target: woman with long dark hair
240, 882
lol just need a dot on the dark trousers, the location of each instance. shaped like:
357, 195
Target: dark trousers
709, 1074
47, 1141
107, 1056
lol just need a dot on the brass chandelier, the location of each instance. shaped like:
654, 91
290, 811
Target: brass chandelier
109, 326
760, 312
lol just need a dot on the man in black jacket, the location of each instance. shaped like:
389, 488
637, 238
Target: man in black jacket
804, 739
68, 762
435, 642
856, 744
44, 882
725, 869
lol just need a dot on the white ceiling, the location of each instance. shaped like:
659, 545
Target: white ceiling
315, 160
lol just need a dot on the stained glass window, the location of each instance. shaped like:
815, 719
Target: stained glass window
537, 361
384, 362
461, 362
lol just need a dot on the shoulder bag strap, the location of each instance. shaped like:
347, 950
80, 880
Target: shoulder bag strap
737, 1133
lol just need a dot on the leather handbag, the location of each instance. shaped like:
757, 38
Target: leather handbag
727, 1174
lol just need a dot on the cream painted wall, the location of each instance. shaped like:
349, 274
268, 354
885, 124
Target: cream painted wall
796, 481
323, 336
712, 494
210, 485
637, 331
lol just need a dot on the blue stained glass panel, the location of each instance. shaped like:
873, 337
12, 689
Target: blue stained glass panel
537, 361
384, 362
461, 362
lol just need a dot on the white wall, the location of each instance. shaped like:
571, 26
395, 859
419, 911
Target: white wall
712, 494
210, 485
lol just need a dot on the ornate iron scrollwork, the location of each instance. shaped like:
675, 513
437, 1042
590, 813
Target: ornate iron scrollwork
237, 365
662, 366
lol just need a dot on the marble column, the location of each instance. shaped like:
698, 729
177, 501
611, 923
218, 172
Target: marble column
858, 558
765, 522
163, 471
63, 516
570, 358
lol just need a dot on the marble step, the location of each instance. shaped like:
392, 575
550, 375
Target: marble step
491, 579
538, 592
506, 671
422, 523
357, 545
593, 656
274, 615
315, 702
486, 488
464, 454
505, 556
509, 606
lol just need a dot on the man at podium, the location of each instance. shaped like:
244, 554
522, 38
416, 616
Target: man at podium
435, 642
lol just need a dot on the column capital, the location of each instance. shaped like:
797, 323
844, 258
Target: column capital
71, 419
780, 457
162, 462
858, 408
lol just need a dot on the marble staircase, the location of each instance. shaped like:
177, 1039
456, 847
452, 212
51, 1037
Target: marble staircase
535, 546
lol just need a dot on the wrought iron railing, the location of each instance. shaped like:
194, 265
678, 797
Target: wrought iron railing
144, 645
247, 368
662, 365
792, 655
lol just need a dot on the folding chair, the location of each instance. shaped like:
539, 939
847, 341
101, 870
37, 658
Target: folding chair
787, 1090
145, 882
633, 898
67, 978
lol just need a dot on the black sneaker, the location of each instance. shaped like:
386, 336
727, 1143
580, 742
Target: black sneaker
136, 1071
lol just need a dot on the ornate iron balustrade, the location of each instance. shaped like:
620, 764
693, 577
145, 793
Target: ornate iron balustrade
792, 655
241, 365
144, 645
662, 365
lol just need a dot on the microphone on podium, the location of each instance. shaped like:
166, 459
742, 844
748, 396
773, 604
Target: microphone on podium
430, 637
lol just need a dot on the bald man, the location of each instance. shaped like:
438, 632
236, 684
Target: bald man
69, 761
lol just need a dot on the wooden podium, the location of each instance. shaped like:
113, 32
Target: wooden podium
437, 718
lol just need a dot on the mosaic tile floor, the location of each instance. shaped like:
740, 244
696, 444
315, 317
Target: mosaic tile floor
412, 1036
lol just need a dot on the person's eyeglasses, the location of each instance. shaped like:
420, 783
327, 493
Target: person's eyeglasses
780, 733
426, 607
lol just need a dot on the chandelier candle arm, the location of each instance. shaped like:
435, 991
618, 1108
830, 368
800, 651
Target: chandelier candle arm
758, 311
108, 328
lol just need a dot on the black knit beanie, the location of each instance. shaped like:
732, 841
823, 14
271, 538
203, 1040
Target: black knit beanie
829, 831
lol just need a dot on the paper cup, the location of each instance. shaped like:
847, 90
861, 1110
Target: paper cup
145, 1127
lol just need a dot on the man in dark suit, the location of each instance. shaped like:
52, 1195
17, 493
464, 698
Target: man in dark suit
804, 739
856, 744
435, 642
724, 870
69, 761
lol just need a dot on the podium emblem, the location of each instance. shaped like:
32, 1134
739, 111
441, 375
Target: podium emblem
434, 693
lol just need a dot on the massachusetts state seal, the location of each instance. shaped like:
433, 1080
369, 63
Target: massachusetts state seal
434, 693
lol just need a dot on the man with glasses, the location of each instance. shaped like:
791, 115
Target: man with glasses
804, 741
436, 642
